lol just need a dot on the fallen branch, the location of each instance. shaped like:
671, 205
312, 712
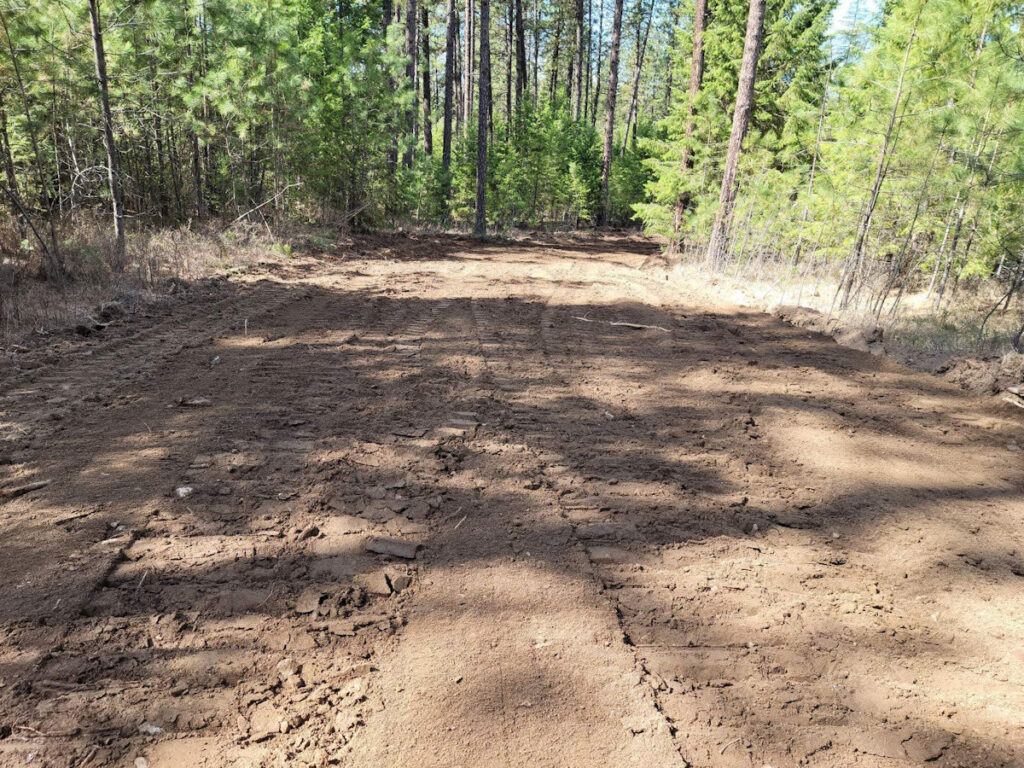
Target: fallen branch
1015, 401
268, 200
21, 490
638, 326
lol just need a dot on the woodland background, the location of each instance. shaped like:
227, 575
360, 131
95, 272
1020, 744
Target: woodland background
879, 152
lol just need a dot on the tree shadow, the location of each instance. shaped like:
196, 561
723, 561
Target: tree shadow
717, 445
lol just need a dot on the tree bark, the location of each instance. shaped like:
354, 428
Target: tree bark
600, 60
719, 243
638, 64
577, 75
56, 263
520, 55
510, 43
428, 128
609, 123
113, 169
590, 59
700, 20
411, 23
467, 67
553, 68
449, 87
12, 177
483, 118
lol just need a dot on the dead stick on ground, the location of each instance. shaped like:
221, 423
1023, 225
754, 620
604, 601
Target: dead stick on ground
21, 490
624, 325
722, 751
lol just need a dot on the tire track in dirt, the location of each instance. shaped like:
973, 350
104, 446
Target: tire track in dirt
731, 533
213, 589
510, 657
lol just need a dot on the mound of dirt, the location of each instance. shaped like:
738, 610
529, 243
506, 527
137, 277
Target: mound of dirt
866, 338
990, 375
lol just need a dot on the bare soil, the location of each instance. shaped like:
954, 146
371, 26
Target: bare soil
430, 502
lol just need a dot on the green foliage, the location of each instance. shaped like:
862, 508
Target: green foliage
946, 152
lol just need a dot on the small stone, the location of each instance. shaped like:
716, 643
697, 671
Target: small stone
394, 547
401, 582
288, 668
141, 762
309, 601
184, 491
195, 402
110, 309
264, 722
374, 583
608, 555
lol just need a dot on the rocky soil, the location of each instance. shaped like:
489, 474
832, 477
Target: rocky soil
430, 502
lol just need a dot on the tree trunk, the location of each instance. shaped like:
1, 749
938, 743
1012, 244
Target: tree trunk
113, 170
700, 20
467, 67
56, 263
638, 64
883, 160
520, 55
12, 178
510, 43
609, 123
483, 117
428, 128
600, 60
553, 77
590, 59
577, 75
411, 22
449, 87
740, 121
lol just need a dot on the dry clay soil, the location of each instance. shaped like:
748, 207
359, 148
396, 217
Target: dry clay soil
423, 502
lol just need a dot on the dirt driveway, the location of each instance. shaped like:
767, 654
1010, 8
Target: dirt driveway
426, 502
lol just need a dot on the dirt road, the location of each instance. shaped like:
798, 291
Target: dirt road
431, 503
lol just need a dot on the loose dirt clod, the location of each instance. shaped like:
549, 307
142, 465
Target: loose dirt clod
394, 547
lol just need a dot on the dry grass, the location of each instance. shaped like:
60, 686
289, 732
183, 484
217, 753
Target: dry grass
31, 304
917, 333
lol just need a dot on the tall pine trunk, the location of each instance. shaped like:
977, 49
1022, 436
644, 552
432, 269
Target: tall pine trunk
428, 128
113, 169
520, 54
483, 118
640, 50
467, 67
577, 73
700, 20
12, 178
719, 243
411, 22
451, 38
609, 123
600, 60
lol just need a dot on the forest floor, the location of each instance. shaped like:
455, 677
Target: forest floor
427, 502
